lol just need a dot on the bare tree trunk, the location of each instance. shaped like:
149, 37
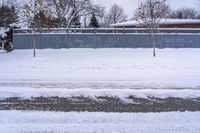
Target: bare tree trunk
34, 32
154, 46
34, 42
153, 42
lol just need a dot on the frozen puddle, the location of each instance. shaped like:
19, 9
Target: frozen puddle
51, 122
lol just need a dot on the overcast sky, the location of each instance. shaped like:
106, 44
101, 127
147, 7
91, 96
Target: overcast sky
130, 5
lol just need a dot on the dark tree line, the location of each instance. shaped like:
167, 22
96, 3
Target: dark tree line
71, 13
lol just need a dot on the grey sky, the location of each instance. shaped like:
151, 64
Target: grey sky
130, 5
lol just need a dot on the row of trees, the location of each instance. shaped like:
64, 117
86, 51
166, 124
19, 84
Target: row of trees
48, 13
58, 13
71, 13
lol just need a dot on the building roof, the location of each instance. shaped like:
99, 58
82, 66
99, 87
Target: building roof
162, 22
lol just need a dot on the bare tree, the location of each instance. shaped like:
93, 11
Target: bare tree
30, 11
149, 14
184, 13
85, 8
115, 15
59, 9
65, 11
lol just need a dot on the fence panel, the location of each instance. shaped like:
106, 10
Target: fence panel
105, 40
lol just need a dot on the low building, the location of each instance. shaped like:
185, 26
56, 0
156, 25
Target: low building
164, 23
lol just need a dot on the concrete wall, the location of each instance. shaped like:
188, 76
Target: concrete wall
57, 41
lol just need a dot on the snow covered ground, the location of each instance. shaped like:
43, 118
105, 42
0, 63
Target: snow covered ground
100, 72
51, 122
172, 68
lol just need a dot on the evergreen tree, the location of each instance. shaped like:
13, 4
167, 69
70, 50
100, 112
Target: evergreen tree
8, 15
76, 22
94, 22
41, 20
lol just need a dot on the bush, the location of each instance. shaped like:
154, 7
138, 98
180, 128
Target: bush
6, 39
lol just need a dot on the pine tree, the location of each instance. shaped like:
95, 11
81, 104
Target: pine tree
94, 22
41, 20
8, 15
76, 22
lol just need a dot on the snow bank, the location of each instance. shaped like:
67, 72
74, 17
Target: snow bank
174, 122
123, 94
172, 68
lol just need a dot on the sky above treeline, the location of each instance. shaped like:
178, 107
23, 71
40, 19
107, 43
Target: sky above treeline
130, 5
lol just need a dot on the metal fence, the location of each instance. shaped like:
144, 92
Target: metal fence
106, 38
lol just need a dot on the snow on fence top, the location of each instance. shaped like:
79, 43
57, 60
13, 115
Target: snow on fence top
162, 22
106, 30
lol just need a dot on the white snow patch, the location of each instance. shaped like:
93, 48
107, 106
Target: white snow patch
171, 68
3, 32
56, 122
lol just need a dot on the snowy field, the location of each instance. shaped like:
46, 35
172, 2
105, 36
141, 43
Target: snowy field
172, 68
174, 73
50, 122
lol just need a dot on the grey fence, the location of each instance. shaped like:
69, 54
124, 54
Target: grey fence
108, 39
